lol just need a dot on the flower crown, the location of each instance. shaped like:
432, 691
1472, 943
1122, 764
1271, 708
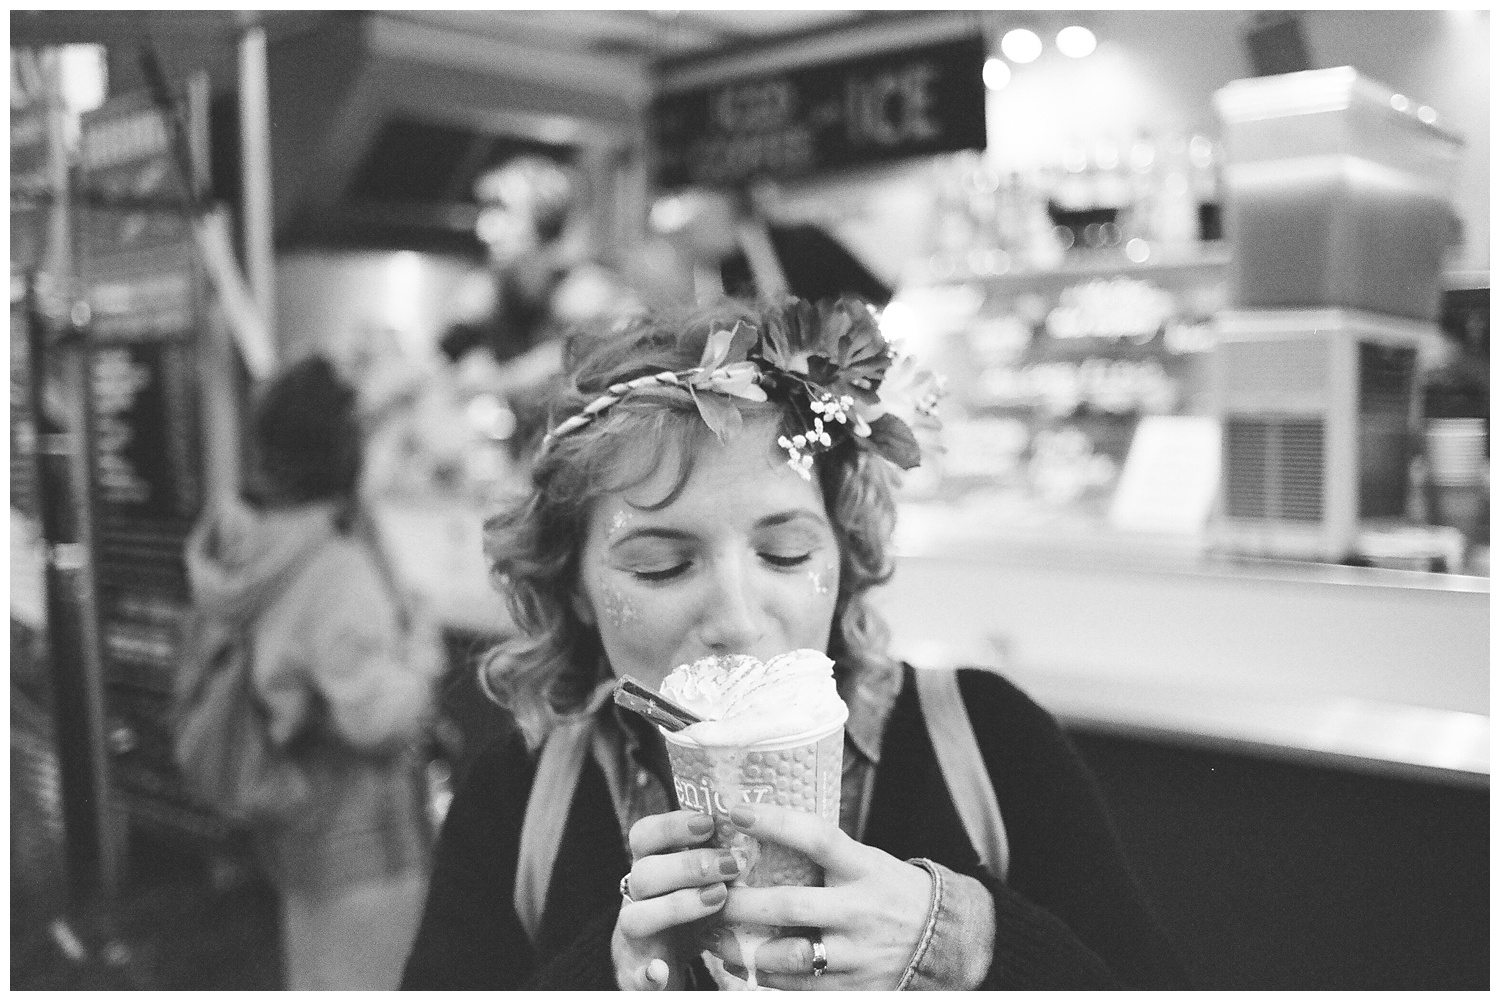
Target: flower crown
829, 360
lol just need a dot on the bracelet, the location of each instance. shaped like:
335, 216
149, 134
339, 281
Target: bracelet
932, 915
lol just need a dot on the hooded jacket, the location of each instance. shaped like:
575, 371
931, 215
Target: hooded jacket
345, 674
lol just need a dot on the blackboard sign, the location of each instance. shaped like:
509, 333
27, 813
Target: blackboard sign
147, 298
31, 179
854, 112
23, 435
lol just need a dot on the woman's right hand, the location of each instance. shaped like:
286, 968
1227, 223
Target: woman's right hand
674, 882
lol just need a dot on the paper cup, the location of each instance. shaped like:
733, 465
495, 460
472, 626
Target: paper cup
1456, 451
804, 772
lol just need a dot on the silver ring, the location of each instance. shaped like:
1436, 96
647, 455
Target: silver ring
820, 955
625, 889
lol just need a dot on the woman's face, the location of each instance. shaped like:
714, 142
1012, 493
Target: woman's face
742, 561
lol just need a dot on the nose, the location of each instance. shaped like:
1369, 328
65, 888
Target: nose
732, 619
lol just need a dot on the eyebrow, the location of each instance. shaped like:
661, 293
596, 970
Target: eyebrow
677, 535
782, 518
671, 534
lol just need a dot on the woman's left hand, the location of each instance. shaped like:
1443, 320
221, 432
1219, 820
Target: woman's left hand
871, 910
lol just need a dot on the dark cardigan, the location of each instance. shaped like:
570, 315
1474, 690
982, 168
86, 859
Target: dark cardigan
1070, 916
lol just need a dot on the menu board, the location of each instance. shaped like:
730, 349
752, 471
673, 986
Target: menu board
146, 296
22, 428
872, 109
31, 179
30, 193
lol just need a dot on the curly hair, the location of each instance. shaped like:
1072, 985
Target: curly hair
545, 671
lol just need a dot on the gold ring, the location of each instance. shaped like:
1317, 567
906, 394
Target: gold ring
625, 889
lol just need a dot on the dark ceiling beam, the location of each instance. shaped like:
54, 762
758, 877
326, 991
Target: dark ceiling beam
747, 43
39, 28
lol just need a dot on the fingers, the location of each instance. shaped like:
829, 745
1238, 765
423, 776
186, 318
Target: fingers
667, 832
656, 975
786, 906
655, 875
790, 954
820, 840
640, 919
650, 976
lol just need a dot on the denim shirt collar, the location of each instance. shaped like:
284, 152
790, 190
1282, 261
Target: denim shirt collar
870, 693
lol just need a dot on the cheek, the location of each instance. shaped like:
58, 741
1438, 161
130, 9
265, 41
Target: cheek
618, 610
638, 629
824, 581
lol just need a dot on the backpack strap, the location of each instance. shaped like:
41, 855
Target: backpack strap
952, 735
367, 530
557, 771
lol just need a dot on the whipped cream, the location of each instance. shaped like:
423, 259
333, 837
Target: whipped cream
744, 700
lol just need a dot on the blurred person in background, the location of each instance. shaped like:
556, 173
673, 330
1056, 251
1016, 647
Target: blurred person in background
541, 287
735, 245
344, 665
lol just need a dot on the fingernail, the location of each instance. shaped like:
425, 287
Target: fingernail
701, 824
713, 894
742, 816
729, 865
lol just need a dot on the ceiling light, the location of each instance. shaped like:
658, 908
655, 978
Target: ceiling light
996, 73
1021, 45
1075, 41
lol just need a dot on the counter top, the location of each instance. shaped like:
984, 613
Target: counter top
983, 530
1382, 670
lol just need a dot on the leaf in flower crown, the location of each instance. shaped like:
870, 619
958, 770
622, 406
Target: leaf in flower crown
725, 347
860, 351
834, 322
891, 438
736, 379
822, 371
774, 347
718, 412
743, 338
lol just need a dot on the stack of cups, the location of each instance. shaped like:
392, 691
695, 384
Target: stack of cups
1457, 471
1455, 451
802, 771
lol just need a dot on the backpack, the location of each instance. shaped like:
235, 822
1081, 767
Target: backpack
221, 741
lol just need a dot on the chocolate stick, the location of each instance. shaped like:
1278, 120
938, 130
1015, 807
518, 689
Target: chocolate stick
660, 710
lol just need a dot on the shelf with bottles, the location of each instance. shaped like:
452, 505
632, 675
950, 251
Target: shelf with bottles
1097, 208
998, 269
1059, 320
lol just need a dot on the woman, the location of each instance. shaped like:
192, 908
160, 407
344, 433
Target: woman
345, 671
724, 485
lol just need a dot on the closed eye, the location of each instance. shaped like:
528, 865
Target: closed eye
786, 562
666, 573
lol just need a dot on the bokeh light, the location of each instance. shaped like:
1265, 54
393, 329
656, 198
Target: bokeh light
1021, 45
996, 74
1075, 41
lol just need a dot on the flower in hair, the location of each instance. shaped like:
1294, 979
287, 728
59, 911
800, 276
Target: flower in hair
828, 360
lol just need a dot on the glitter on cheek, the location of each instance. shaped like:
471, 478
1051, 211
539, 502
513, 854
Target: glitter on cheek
617, 609
618, 522
817, 578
